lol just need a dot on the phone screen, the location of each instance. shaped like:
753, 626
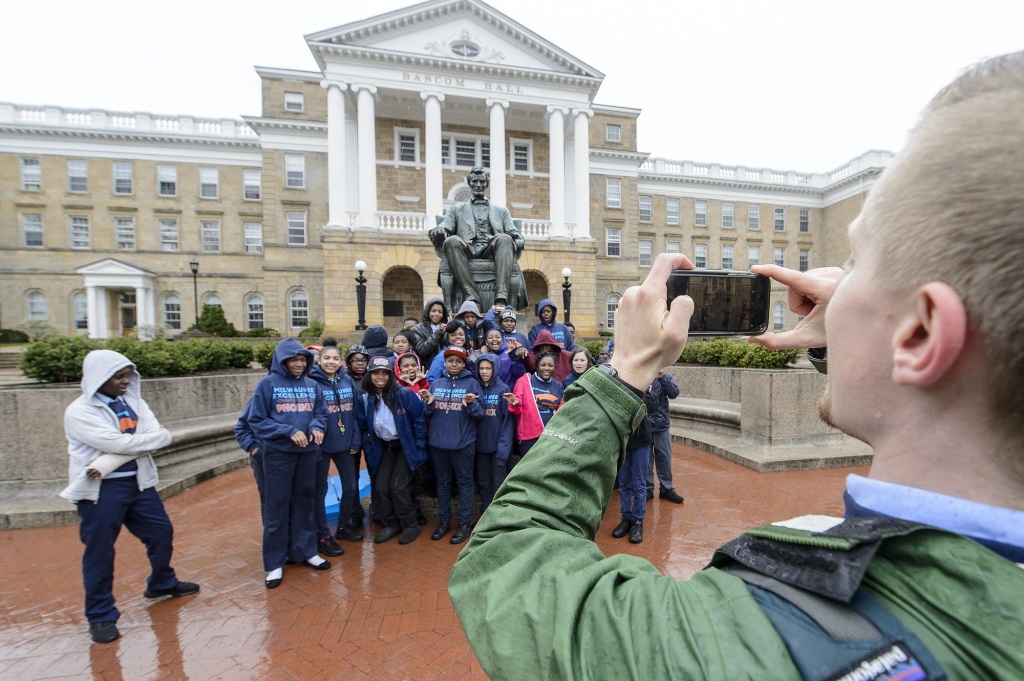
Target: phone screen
725, 302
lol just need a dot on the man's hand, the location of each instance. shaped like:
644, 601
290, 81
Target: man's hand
649, 336
809, 293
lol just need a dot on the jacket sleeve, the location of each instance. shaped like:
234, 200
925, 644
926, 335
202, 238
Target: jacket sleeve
506, 433
101, 434
537, 598
244, 436
320, 412
262, 423
475, 409
669, 387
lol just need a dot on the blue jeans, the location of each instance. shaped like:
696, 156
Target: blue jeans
457, 462
348, 472
662, 458
633, 483
289, 528
141, 511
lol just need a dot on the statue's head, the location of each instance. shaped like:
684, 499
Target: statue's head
478, 180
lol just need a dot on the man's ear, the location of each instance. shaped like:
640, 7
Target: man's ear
931, 337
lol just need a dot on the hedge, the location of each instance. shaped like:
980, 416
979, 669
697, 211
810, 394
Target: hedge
727, 352
57, 360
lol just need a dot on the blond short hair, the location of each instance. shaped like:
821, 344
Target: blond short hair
951, 209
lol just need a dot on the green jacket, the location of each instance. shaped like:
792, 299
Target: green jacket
538, 600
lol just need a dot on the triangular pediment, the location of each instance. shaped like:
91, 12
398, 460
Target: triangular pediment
113, 267
459, 32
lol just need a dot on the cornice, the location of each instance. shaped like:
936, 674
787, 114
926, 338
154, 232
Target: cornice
619, 155
730, 183
126, 135
258, 123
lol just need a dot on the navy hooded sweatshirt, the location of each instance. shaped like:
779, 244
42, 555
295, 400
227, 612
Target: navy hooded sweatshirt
452, 424
283, 404
375, 340
559, 330
494, 432
342, 433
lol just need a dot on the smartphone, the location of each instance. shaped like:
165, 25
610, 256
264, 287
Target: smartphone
725, 302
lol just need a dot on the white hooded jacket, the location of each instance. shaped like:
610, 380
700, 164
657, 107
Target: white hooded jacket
94, 436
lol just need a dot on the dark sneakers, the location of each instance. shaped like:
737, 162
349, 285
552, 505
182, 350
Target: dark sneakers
441, 530
348, 534
462, 533
621, 529
386, 534
670, 495
409, 534
179, 589
636, 532
103, 632
329, 547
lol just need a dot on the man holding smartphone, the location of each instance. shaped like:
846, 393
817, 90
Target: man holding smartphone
925, 365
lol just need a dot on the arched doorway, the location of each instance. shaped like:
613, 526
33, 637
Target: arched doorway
536, 288
402, 297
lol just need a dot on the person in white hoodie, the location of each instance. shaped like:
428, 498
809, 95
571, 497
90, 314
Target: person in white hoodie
111, 435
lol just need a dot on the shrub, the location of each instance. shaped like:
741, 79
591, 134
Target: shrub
594, 347
13, 336
262, 333
56, 360
264, 353
314, 330
213, 322
735, 353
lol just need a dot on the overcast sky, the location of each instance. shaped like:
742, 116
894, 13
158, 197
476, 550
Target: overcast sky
790, 85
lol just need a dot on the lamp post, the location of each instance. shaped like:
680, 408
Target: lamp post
361, 295
194, 266
566, 294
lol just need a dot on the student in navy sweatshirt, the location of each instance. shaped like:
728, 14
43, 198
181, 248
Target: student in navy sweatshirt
341, 444
547, 312
495, 431
288, 416
453, 407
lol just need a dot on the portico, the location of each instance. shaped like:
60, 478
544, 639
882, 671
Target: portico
119, 299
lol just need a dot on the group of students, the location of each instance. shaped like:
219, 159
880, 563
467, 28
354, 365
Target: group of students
465, 393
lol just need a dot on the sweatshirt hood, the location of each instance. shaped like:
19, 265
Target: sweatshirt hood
486, 357
469, 306
545, 337
286, 349
546, 302
99, 365
398, 360
431, 302
375, 338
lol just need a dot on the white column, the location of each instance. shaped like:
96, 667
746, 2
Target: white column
96, 309
366, 120
336, 204
556, 180
499, 191
432, 155
145, 317
581, 166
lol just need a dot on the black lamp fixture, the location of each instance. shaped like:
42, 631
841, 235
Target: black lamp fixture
194, 266
361, 295
566, 294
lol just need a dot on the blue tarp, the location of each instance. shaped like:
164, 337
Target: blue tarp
332, 499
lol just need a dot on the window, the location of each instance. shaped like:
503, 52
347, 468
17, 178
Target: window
613, 305
805, 220
298, 309
671, 246
778, 316
727, 216
78, 176
254, 311
253, 237
31, 175
252, 181
521, 155
613, 242
209, 233
32, 229
780, 219
80, 311
613, 187
700, 255
213, 300
700, 214
209, 183
122, 178
167, 180
672, 211
124, 233
79, 231
645, 253
38, 310
613, 132
294, 102
754, 218
446, 152
645, 209
296, 228
780, 257
727, 257
407, 144
295, 171
753, 256
485, 156
172, 311
465, 152
168, 234
805, 260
